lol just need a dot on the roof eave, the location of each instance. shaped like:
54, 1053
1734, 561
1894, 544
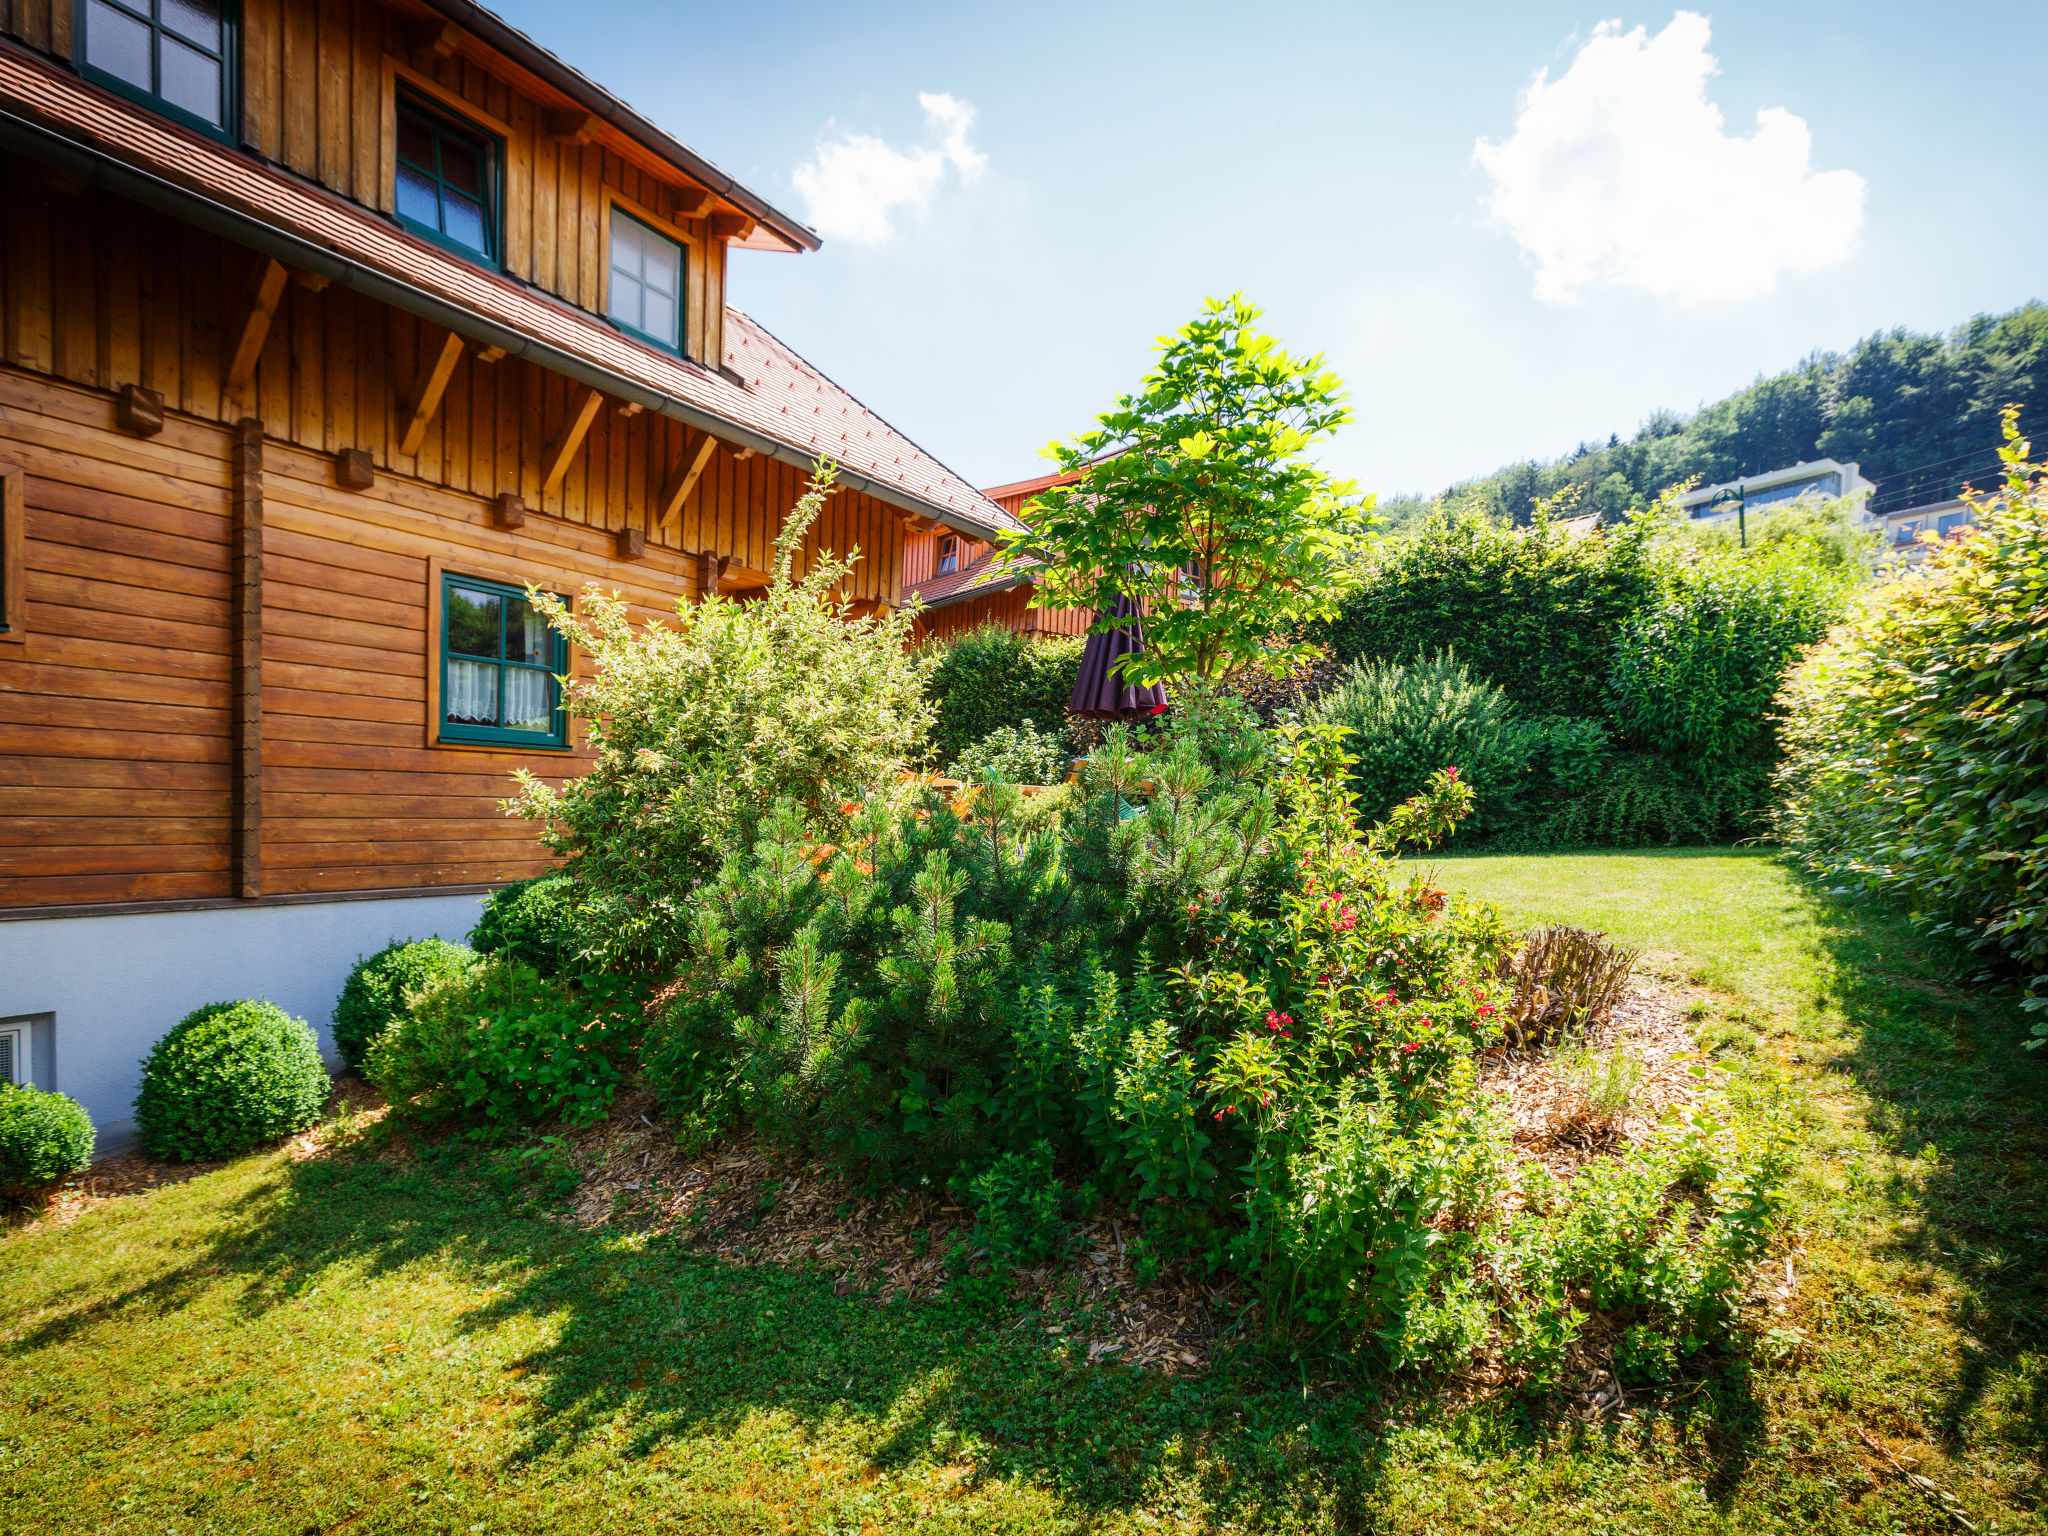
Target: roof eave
507, 39
97, 168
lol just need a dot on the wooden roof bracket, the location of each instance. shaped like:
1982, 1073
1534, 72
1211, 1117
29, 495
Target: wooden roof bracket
428, 400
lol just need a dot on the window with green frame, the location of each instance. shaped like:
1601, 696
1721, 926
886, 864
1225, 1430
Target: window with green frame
645, 297
499, 667
175, 55
446, 181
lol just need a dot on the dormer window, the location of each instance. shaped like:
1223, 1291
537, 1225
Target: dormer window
173, 55
447, 180
645, 295
949, 555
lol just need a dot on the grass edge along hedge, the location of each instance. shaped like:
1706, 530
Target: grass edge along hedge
227, 1078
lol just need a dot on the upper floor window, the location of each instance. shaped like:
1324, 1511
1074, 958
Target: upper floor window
447, 180
499, 664
646, 283
949, 555
175, 54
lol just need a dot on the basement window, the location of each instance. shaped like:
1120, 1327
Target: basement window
174, 55
500, 667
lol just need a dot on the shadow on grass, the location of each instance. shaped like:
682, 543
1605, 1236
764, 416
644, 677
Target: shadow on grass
1941, 1054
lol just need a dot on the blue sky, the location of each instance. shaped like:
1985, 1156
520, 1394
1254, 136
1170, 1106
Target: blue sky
1069, 181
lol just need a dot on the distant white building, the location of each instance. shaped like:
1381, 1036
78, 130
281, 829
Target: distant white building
1821, 479
1902, 530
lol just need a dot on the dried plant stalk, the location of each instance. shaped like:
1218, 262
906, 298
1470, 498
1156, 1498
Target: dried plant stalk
1565, 979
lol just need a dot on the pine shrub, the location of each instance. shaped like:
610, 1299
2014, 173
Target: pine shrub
228, 1078
44, 1137
375, 991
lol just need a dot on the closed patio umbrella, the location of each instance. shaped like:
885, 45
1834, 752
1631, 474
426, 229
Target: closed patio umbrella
1101, 692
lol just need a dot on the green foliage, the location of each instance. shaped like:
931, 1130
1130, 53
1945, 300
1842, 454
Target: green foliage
700, 724
1642, 800
533, 922
1534, 612
1407, 721
44, 1137
227, 1078
1917, 762
375, 991
1021, 753
501, 1044
1017, 1204
1695, 670
1911, 409
985, 678
1197, 497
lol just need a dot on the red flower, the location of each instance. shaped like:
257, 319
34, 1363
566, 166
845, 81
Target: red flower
1410, 1046
1160, 709
1451, 774
1485, 1009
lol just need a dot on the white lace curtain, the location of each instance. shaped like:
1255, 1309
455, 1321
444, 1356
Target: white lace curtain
472, 692
527, 701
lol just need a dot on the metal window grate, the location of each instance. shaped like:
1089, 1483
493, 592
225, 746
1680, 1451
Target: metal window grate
10, 1040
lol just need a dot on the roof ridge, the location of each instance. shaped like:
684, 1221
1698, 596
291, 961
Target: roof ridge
1000, 511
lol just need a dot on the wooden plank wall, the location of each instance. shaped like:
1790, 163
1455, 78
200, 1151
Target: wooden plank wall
100, 292
921, 552
1012, 609
115, 712
314, 83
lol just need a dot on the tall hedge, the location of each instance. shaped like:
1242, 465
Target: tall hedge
1536, 611
1917, 739
990, 677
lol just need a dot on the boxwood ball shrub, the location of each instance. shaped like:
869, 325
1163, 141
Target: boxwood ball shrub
228, 1078
43, 1138
375, 991
531, 921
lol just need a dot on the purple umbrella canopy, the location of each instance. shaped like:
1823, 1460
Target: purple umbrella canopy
1102, 692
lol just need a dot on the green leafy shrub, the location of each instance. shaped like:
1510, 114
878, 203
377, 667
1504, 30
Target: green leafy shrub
1917, 763
1409, 720
990, 677
374, 993
1017, 1209
44, 1137
1535, 611
229, 1077
1642, 800
533, 922
501, 1043
1021, 753
701, 723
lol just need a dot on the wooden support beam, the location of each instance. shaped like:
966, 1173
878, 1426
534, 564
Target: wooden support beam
312, 282
428, 401
508, 511
572, 127
490, 354
731, 226
354, 469
437, 39
569, 439
246, 660
694, 203
681, 481
139, 410
266, 290
631, 543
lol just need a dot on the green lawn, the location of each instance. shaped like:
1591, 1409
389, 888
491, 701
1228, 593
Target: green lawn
354, 1344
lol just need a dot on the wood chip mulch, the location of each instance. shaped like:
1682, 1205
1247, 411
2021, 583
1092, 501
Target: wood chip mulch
749, 1205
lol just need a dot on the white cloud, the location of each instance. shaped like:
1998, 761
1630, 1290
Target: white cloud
856, 184
1619, 174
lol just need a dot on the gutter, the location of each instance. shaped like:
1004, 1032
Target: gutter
97, 169
500, 34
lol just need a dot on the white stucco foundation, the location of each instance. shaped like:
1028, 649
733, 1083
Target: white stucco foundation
106, 988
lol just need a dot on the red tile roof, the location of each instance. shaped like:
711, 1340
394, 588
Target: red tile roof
793, 410
987, 572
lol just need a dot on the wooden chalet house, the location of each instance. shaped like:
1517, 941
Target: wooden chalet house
325, 328
963, 581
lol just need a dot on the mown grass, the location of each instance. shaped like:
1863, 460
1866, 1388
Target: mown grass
363, 1345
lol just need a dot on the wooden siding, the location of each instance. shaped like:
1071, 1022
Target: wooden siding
1010, 608
317, 81
115, 710
101, 293
921, 552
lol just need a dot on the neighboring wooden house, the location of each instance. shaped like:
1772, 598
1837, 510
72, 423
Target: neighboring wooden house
325, 328
964, 582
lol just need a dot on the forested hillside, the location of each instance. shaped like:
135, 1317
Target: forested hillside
1918, 412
